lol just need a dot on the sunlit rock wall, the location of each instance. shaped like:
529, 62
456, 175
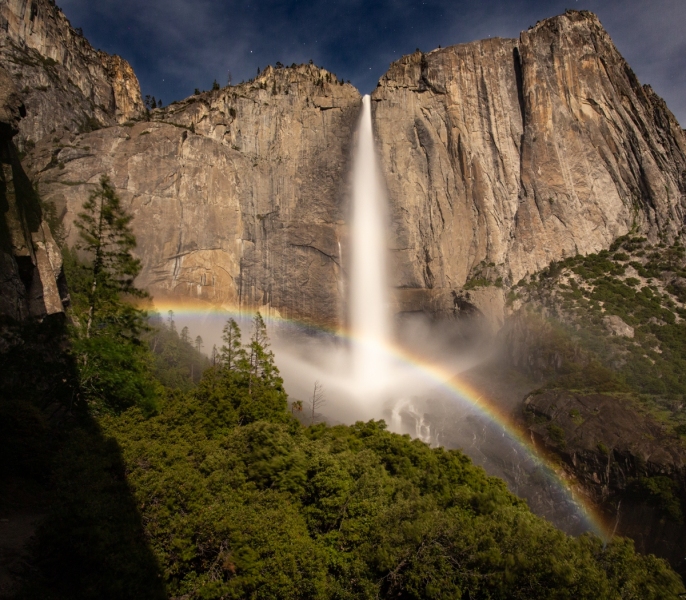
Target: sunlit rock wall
499, 156
63, 82
238, 195
503, 155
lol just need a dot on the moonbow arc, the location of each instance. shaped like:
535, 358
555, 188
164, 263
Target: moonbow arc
451, 383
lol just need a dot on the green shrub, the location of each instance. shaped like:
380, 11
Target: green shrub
662, 492
557, 434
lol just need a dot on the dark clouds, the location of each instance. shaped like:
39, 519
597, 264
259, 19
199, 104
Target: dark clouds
178, 45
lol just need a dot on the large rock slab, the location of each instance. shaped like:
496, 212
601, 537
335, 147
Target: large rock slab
514, 153
238, 195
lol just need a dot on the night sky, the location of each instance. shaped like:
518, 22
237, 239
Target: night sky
178, 45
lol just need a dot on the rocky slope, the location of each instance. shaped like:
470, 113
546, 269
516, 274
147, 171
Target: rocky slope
64, 83
31, 281
502, 155
238, 195
603, 339
624, 463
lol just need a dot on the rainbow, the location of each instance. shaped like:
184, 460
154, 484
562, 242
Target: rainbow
443, 379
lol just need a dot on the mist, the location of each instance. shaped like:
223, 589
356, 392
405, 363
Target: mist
426, 364
439, 381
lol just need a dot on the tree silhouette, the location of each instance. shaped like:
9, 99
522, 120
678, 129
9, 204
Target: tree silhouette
318, 400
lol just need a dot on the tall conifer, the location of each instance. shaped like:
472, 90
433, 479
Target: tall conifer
232, 352
105, 232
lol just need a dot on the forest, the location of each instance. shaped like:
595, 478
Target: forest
162, 474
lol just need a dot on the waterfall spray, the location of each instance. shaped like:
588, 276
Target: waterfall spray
369, 318
414, 389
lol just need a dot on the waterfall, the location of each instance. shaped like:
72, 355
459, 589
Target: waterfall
369, 311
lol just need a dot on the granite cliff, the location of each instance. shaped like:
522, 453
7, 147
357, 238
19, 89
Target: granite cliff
503, 155
31, 278
63, 81
51, 81
499, 156
238, 195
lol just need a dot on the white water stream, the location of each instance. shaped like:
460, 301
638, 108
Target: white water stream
368, 309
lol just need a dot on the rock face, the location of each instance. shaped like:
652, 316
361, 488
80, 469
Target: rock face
238, 195
623, 459
616, 326
514, 153
499, 156
63, 81
31, 281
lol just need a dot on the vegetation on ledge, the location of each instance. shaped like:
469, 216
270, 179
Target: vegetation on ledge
571, 303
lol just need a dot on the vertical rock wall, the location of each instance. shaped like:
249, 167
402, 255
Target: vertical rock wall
31, 281
499, 157
238, 195
503, 155
64, 83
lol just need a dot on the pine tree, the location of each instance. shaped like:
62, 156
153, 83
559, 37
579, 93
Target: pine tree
198, 343
185, 337
260, 358
232, 353
105, 232
112, 360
